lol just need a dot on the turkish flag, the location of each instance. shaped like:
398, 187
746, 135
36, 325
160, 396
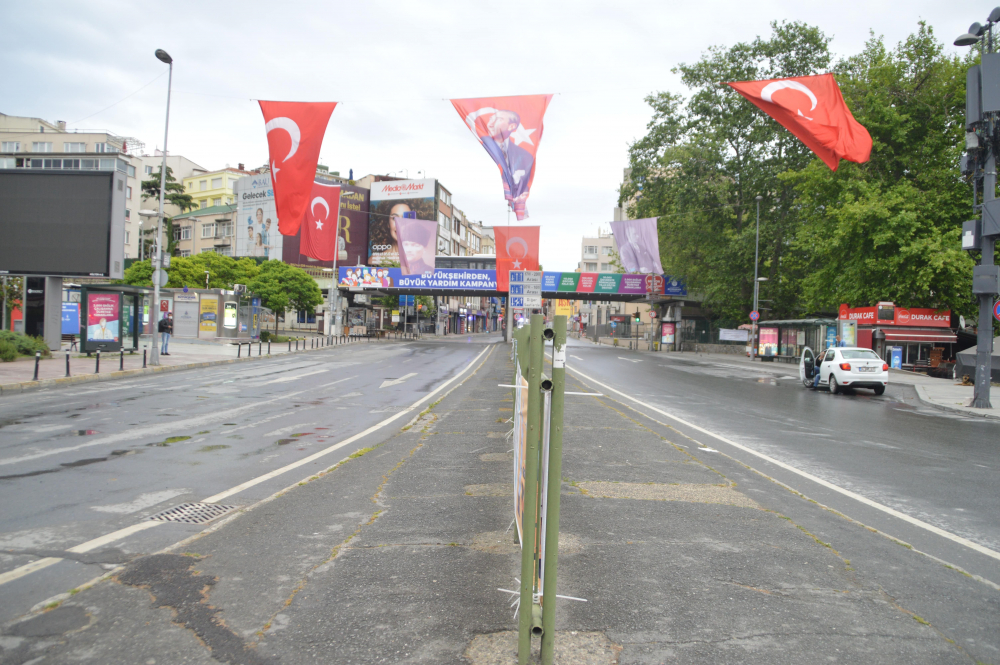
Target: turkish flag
812, 108
294, 136
319, 227
510, 129
517, 249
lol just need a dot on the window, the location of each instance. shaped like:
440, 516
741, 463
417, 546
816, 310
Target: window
39, 146
443, 220
131, 171
590, 267
128, 214
216, 183
208, 230
208, 250
605, 267
454, 248
185, 252
590, 251
121, 165
128, 193
148, 169
177, 234
104, 147
216, 202
185, 233
445, 197
224, 230
203, 184
74, 147
107, 164
224, 251
202, 203
126, 236
10, 146
606, 250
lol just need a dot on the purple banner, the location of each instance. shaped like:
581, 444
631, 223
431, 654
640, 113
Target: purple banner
638, 245
632, 284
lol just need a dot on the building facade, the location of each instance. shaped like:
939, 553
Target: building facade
208, 229
213, 188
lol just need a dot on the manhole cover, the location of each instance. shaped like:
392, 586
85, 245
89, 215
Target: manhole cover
193, 513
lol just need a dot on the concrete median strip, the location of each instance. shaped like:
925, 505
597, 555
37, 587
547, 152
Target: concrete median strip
687, 492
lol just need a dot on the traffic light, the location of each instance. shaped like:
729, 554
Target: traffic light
637, 316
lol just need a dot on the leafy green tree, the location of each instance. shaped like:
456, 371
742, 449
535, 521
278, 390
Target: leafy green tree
174, 194
284, 287
704, 160
139, 273
223, 271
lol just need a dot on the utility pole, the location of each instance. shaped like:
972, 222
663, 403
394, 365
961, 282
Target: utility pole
157, 261
756, 282
982, 102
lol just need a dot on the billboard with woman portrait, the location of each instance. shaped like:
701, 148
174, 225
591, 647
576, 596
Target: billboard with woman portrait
391, 200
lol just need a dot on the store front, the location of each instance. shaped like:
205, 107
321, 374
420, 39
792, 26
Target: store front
916, 337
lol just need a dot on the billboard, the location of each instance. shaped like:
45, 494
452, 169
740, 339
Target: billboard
353, 231
391, 199
617, 283
393, 278
102, 317
68, 223
256, 227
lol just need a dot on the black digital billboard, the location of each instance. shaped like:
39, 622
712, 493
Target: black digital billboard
61, 222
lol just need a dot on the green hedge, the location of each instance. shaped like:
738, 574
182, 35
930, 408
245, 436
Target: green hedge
21, 345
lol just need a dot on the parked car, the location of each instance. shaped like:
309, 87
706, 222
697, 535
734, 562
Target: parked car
844, 367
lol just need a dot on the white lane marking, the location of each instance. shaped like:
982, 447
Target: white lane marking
853, 495
286, 430
396, 382
151, 430
35, 566
327, 385
286, 379
631, 360
577, 357
142, 501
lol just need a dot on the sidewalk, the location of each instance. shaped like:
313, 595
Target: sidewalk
679, 554
942, 393
18, 376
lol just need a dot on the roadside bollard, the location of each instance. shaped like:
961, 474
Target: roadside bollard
38, 358
268, 347
121, 359
97, 366
259, 347
239, 349
143, 361
67, 363
289, 346
296, 343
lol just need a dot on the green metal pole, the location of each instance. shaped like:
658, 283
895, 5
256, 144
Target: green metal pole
550, 564
530, 514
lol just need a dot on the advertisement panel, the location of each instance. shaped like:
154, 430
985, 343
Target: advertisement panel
887, 314
390, 200
624, 284
564, 307
353, 231
372, 277
71, 318
229, 315
102, 317
667, 330
733, 335
208, 314
768, 342
256, 228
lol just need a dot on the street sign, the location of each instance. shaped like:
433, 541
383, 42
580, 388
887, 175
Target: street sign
614, 324
526, 288
652, 314
754, 315
996, 310
654, 284
160, 277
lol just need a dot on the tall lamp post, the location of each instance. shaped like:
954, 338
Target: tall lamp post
981, 105
756, 281
157, 262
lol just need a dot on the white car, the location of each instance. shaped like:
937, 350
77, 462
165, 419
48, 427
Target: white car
844, 367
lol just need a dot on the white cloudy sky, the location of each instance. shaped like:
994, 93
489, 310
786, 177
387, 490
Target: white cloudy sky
393, 65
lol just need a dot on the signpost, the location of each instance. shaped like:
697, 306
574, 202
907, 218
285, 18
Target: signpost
996, 310
754, 315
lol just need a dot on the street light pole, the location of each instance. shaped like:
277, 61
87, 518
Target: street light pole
756, 283
162, 56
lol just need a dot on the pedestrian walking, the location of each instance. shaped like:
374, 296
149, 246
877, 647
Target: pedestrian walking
166, 328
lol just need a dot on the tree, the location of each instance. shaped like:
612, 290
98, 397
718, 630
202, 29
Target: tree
223, 271
174, 194
283, 287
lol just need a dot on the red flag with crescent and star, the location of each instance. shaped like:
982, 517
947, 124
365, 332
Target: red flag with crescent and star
294, 136
319, 227
517, 249
812, 108
510, 129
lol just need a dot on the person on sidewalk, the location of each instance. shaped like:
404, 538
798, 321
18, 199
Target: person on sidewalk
166, 328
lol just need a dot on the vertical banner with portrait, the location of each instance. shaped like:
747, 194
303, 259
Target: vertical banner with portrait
256, 226
418, 245
353, 245
392, 200
102, 317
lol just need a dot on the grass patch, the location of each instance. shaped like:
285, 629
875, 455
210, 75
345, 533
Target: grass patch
205, 431
208, 449
358, 453
921, 620
52, 606
175, 439
73, 592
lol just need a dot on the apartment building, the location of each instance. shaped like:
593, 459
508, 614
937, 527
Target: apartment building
488, 244
213, 188
596, 253
206, 230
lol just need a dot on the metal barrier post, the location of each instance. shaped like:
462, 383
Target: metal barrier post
121, 360
260, 346
268, 347
529, 517
38, 359
239, 349
143, 361
554, 484
67, 363
97, 367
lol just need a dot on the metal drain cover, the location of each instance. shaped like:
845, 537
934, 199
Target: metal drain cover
193, 513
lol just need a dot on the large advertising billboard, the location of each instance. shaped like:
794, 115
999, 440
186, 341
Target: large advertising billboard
353, 231
393, 278
256, 227
395, 199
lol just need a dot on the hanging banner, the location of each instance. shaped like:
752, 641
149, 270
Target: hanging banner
392, 200
368, 277
294, 137
517, 249
638, 245
318, 234
510, 130
812, 108
256, 228
418, 245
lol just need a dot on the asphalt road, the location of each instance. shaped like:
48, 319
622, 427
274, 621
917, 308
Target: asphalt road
79, 463
935, 466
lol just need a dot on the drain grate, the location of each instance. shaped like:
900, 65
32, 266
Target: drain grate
193, 513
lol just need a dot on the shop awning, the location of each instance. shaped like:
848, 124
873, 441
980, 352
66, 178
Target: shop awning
926, 336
